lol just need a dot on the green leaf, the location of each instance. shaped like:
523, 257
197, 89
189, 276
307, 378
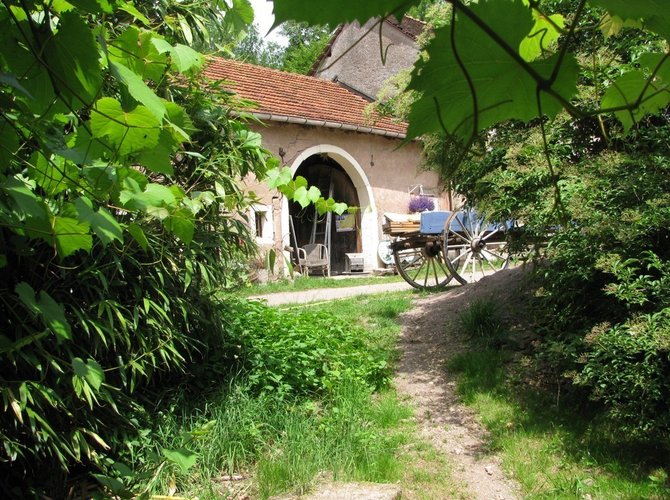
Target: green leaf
239, 16
132, 10
185, 59
342, 11
27, 202
181, 224
159, 158
54, 175
300, 196
51, 312
626, 90
27, 296
71, 235
541, 37
503, 86
93, 6
313, 194
103, 224
129, 131
654, 12
154, 195
612, 25
136, 50
138, 235
278, 177
73, 61
138, 89
53, 315
9, 145
183, 458
90, 370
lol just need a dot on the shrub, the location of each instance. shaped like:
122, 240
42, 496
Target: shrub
627, 369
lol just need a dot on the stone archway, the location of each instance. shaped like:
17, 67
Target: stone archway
369, 229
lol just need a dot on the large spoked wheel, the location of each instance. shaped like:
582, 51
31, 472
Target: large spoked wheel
474, 248
420, 261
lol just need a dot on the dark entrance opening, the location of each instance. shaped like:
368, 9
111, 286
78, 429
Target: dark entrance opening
331, 179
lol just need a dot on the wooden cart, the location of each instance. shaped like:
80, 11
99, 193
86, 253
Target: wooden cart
432, 250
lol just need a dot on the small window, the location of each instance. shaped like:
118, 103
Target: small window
259, 220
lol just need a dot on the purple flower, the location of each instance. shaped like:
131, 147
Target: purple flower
421, 204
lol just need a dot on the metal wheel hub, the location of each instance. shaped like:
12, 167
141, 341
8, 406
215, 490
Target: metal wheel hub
477, 245
432, 249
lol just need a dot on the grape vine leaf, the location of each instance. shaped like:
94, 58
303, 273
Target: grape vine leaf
654, 12
70, 235
503, 85
342, 11
51, 312
102, 223
139, 90
89, 370
541, 36
128, 131
626, 90
73, 61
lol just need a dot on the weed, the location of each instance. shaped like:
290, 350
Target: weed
483, 324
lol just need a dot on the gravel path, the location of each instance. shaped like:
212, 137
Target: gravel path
305, 296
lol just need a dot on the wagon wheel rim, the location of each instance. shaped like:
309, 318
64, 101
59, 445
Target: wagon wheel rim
473, 249
421, 264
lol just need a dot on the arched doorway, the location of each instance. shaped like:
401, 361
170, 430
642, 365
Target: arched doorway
341, 234
367, 215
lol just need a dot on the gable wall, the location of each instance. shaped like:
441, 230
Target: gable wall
361, 68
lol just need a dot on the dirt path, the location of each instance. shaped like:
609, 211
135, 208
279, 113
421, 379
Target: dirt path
429, 338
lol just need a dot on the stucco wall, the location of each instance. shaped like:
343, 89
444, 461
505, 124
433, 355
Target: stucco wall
362, 68
387, 173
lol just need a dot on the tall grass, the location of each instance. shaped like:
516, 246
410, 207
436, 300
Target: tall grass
286, 441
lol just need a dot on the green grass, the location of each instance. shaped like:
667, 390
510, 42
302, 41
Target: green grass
552, 451
313, 282
286, 445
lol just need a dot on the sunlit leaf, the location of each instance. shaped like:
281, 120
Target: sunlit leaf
89, 370
73, 61
71, 235
129, 131
138, 89
627, 90
183, 458
542, 36
655, 13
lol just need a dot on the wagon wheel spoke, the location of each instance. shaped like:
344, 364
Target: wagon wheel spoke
497, 230
476, 244
421, 266
486, 259
458, 235
465, 229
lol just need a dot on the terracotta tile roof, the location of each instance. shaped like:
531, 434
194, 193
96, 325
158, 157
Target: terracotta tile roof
301, 99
